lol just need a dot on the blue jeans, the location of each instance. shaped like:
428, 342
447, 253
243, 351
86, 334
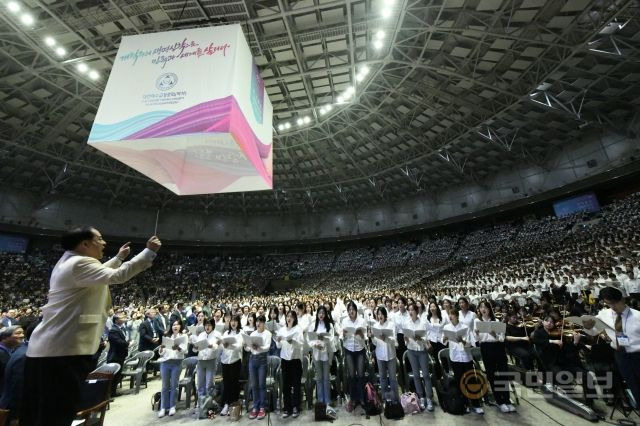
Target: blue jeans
355, 374
170, 373
258, 379
323, 381
206, 373
387, 370
419, 361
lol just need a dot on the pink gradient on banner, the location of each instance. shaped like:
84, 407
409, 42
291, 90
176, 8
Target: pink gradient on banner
217, 116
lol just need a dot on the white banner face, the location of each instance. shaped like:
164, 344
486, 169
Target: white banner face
189, 110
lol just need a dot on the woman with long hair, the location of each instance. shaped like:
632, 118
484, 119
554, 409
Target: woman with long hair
354, 339
322, 353
170, 367
290, 342
494, 358
231, 359
419, 360
386, 353
434, 318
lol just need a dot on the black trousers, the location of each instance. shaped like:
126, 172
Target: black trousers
628, 365
291, 377
231, 374
523, 353
459, 368
494, 358
52, 389
400, 350
117, 376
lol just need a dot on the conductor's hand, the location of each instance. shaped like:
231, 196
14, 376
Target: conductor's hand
124, 251
154, 244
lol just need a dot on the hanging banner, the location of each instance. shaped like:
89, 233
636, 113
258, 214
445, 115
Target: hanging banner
189, 110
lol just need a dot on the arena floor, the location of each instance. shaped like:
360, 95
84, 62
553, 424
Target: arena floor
135, 410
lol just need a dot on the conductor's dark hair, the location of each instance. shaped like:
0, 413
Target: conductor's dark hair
71, 239
610, 293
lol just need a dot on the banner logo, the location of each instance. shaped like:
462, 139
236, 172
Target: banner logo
166, 81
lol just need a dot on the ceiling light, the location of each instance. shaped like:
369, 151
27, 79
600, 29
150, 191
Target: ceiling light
27, 19
323, 111
300, 121
340, 99
13, 6
347, 95
60, 51
359, 78
386, 12
380, 34
93, 75
364, 70
329, 108
350, 90
287, 125
307, 119
377, 44
82, 67
49, 41
280, 127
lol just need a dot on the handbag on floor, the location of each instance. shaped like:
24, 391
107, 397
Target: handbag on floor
235, 411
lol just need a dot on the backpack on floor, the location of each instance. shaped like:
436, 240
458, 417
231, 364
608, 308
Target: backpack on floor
393, 410
409, 402
372, 403
155, 401
449, 396
322, 412
206, 404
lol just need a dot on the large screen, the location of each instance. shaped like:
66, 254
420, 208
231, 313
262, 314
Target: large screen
580, 203
13, 243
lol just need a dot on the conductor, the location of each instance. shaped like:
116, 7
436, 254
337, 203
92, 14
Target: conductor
60, 350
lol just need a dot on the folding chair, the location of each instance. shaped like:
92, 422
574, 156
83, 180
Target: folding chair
188, 381
136, 368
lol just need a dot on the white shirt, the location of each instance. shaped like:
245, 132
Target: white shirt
432, 336
467, 320
418, 324
487, 337
457, 352
385, 349
290, 350
632, 285
304, 321
266, 342
573, 288
630, 327
354, 343
212, 338
399, 319
233, 353
172, 354
326, 351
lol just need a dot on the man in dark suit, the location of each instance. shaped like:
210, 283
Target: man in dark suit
149, 334
161, 320
118, 347
176, 314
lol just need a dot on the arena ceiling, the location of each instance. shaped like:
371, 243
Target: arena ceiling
456, 91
